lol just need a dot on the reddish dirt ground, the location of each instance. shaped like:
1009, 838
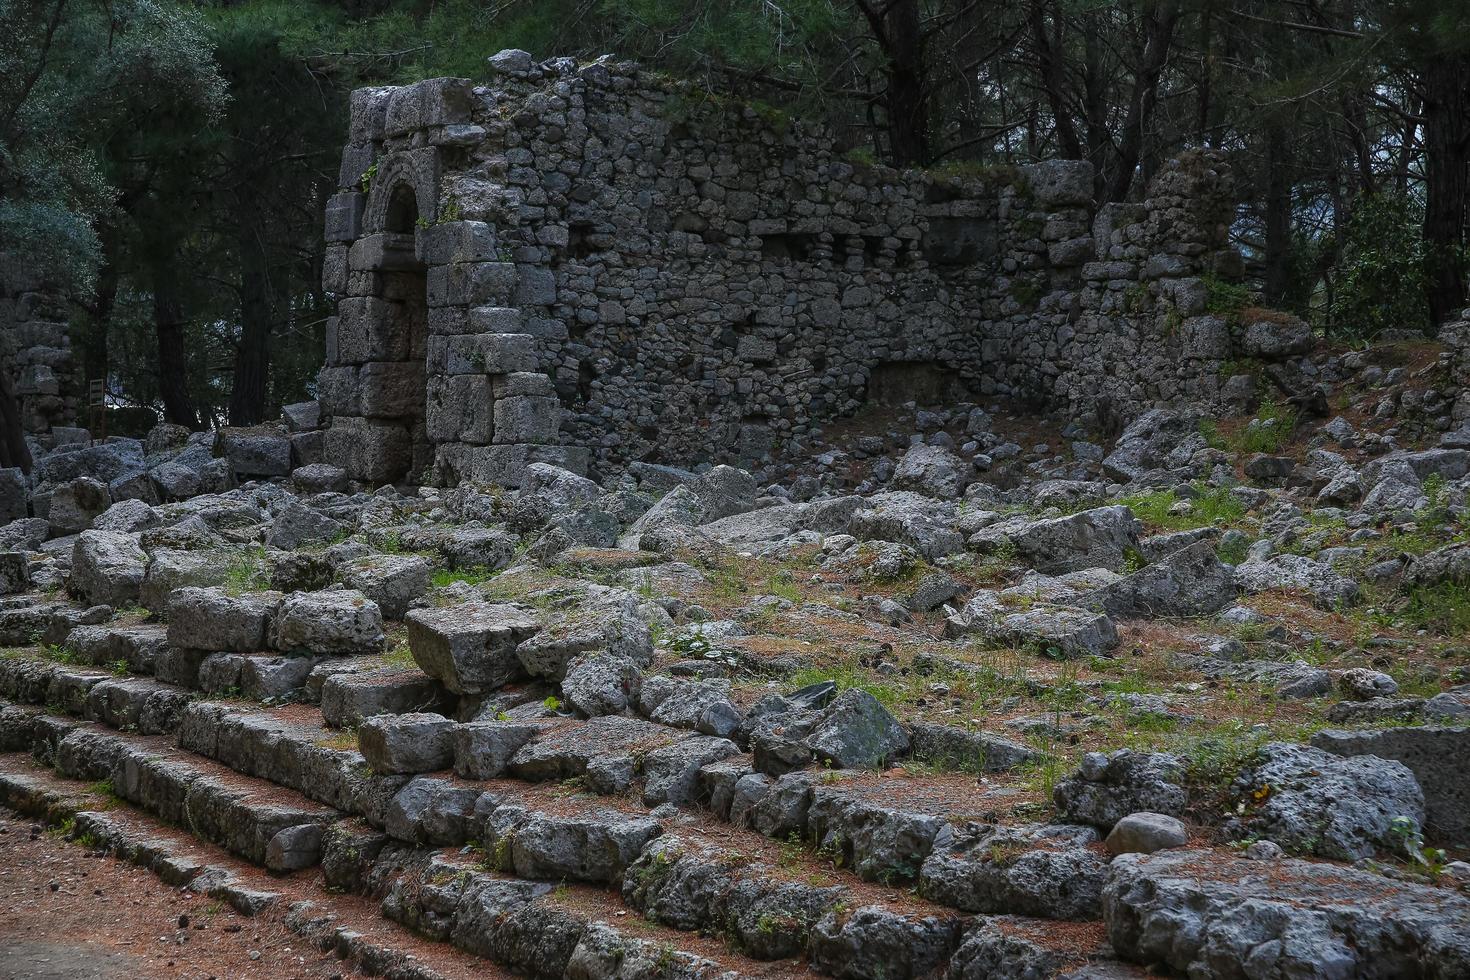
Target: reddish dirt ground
67, 914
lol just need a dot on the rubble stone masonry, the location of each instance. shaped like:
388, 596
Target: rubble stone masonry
591, 264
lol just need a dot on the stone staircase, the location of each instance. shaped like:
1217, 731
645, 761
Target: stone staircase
552, 846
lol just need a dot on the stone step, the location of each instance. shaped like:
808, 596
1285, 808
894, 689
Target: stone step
139, 704
347, 925
772, 900
445, 897
266, 824
938, 832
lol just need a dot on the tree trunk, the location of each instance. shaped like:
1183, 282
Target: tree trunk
1278, 214
908, 109
1160, 18
98, 323
1049, 67
252, 357
1446, 147
168, 324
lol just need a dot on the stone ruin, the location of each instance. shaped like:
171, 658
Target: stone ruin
35, 347
590, 265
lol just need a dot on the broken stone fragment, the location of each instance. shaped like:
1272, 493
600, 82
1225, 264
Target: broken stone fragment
857, 732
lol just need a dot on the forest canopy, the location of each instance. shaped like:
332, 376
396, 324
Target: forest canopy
169, 162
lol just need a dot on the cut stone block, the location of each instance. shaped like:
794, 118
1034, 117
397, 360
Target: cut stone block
470, 648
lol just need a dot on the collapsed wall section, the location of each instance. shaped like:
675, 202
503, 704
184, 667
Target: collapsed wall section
35, 347
634, 269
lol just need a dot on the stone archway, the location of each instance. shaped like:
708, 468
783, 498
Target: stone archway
382, 332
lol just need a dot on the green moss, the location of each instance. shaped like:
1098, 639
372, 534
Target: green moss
1225, 298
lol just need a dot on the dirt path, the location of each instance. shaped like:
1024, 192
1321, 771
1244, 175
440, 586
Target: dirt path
66, 915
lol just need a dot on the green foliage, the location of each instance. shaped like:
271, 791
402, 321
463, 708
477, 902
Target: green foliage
247, 572
442, 577
1225, 298
1380, 278
783, 585
1268, 431
846, 677
1213, 506
66, 95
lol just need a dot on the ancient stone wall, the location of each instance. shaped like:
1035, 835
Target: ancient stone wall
35, 348
588, 263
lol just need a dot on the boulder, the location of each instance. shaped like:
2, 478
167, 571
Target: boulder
932, 471
1190, 582
331, 622
15, 572
261, 451
1050, 871
1103, 537
392, 581
213, 619
107, 567
1435, 755
296, 524
1314, 802
74, 505
904, 517
1363, 684
1144, 833
857, 732
1212, 914
483, 749
1276, 338
1157, 439
1297, 573
601, 684
1107, 788
470, 648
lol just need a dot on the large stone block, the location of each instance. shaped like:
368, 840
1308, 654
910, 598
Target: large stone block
527, 419
107, 567
522, 383
486, 353
471, 283
383, 252
456, 241
459, 409
1436, 756
369, 113
409, 743
504, 465
392, 389
471, 648
331, 622
337, 390
212, 619
1061, 183
344, 216
357, 160
431, 102
334, 269
371, 329
255, 452
497, 319
367, 450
